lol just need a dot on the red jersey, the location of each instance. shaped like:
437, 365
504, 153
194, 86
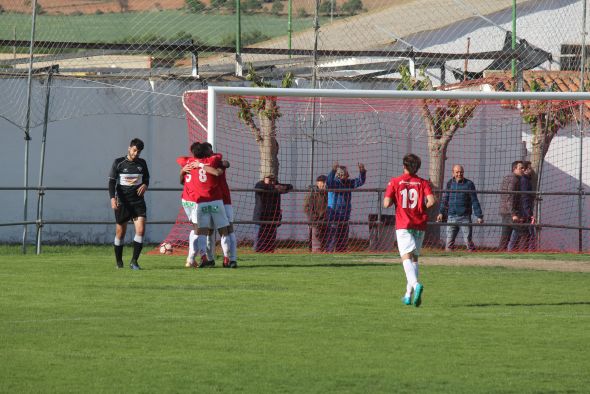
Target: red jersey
408, 193
189, 193
225, 195
207, 185
199, 185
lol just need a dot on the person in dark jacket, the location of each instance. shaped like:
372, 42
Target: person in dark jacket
316, 207
510, 205
339, 206
457, 207
267, 207
527, 239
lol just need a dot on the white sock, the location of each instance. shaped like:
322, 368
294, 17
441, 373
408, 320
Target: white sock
225, 245
408, 290
138, 238
410, 273
233, 249
211, 247
118, 241
192, 240
201, 244
415, 264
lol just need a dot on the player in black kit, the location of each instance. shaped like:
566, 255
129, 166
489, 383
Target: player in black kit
128, 181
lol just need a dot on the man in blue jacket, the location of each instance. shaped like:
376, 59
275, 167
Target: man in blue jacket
458, 206
339, 206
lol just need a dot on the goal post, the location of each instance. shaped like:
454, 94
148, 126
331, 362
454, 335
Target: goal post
484, 131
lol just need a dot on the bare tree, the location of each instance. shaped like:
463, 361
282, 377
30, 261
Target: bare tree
266, 110
442, 121
546, 118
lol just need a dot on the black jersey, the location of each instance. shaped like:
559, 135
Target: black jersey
128, 176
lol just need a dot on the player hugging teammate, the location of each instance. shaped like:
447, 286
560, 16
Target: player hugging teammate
207, 203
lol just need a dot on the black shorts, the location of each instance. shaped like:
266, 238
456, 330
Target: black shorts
128, 210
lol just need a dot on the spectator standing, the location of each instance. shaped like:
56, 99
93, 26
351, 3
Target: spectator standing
316, 207
412, 197
339, 204
510, 206
457, 205
527, 239
267, 207
128, 181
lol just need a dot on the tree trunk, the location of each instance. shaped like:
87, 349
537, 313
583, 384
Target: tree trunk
540, 143
268, 145
436, 173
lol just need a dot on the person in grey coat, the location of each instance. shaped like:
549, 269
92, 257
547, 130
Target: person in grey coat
510, 205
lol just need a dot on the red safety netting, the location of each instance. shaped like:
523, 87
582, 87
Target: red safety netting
485, 137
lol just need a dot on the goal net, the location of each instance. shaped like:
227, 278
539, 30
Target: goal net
482, 133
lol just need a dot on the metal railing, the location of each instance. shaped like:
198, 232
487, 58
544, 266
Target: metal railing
40, 221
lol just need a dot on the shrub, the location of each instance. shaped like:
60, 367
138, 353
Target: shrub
194, 6
251, 6
277, 8
247, 39
352, 7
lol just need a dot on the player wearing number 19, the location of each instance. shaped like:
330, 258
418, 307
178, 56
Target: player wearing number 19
412, 196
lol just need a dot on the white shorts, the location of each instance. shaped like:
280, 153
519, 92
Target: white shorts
229, 212
211, 214
409, 241
190, 208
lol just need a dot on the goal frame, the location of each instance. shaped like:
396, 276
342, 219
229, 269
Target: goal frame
214, 91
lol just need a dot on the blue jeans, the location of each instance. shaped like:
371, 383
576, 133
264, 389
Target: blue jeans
452, 231
523, 238
337, 236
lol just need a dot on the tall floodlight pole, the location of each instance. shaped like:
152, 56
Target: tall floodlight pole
28, 125
316, 28
290, 25
582, 88
513, 37
42, 160
238, 39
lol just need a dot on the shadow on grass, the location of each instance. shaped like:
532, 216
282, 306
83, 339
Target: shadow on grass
258, 266
539, 304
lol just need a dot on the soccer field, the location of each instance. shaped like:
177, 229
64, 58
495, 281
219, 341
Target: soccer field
71, 322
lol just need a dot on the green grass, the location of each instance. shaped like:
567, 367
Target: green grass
70, 322
205, 28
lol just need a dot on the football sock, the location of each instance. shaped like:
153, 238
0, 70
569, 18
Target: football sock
225, 245
210, 247
118, 244
415, 264
408, 290
233, 247
137, 246
410, 273
192, 240
202, 244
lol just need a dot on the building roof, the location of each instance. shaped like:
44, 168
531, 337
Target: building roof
558, 81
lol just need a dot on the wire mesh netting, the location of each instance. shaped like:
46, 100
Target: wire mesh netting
137, 57
340, 41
